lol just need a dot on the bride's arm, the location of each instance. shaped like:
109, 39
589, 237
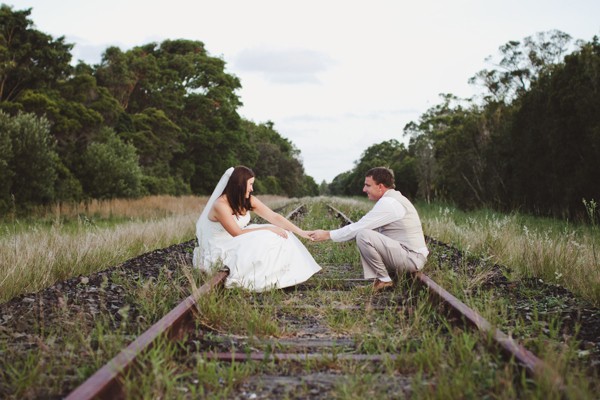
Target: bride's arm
223, 213
276, 219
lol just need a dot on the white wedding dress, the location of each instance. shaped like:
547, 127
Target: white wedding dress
258, 261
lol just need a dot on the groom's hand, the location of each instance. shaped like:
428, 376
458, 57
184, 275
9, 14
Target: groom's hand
319, 235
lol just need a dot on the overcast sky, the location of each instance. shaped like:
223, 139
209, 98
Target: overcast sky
334, 76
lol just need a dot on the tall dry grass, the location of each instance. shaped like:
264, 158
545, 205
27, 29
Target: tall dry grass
143, 208
554, 251
71, 240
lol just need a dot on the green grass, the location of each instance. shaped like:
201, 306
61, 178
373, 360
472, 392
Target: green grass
60, 348
555, 251
435, 358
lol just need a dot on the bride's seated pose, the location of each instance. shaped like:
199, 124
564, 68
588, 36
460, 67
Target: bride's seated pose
259, 256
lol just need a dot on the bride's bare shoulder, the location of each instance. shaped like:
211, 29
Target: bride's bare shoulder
221, 199
220, 205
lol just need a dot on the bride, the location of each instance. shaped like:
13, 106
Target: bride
259, 257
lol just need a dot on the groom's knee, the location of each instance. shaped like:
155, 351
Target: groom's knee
363, 237
364, 242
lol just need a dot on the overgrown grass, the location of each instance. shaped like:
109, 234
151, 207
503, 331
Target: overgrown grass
552, 250
61, 347
434, 358
61, 242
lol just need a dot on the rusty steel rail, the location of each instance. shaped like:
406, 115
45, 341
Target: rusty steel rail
106, 382
532, 364
295, 211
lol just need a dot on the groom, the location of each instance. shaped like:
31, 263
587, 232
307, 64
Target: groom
389, 237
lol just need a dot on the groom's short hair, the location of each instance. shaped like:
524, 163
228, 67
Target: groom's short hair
382, 175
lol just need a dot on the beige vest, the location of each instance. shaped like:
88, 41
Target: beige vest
408, 230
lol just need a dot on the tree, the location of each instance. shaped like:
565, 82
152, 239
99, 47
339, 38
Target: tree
310, 187
170, 108
450, 141
29, 59
164, 76
31, 168
267, 185
6, 160
520, 64
77, 110
555, 137
110, 168
337, 187
390, 154
279, 159
181, 102
378, 155
121, 73
324, 188
156, 139
422, 151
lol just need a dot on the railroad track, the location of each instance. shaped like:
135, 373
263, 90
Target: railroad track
311, 331
532, 364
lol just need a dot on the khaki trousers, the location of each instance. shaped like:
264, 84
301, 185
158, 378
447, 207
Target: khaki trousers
381, 255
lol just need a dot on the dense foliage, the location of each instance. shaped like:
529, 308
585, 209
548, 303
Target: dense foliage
531, 141
156, 119
162, 118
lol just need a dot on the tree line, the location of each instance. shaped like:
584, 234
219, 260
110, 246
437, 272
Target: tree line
160, 118
530, 141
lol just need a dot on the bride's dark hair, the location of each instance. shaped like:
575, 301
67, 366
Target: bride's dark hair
235, 191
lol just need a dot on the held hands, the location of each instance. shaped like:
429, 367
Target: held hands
319, 235
305, 234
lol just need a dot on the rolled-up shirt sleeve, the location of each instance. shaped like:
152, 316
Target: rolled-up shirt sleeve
385, 211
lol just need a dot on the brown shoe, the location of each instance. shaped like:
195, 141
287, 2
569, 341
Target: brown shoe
381, 285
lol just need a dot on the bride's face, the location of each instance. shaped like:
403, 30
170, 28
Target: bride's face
249, 187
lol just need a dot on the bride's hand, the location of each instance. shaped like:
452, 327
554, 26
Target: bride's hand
279, 231
305, 234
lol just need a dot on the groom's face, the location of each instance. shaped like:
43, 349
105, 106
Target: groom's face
373, 190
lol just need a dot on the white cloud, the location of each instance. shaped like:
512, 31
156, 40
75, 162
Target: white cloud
294, 66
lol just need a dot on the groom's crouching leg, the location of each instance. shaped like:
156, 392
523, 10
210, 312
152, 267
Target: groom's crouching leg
369, 244
370, 259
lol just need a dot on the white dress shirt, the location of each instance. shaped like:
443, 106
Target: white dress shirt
386, 210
